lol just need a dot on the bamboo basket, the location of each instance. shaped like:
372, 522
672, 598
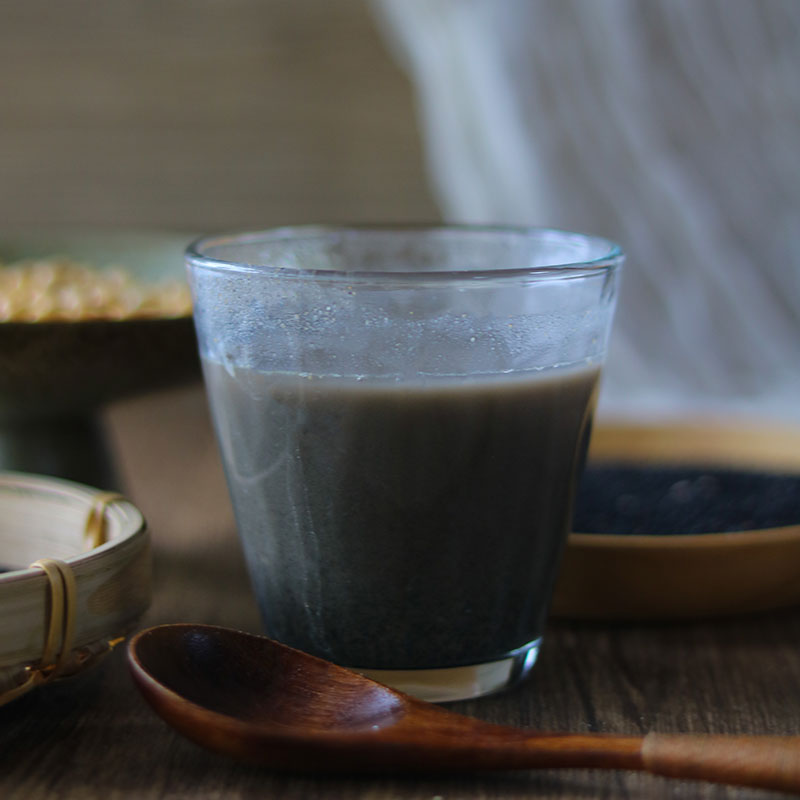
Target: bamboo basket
90, 584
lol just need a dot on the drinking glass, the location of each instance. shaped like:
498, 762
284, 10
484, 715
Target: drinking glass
402, 415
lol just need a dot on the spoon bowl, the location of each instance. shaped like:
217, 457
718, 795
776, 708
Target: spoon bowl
241, 677
262, 702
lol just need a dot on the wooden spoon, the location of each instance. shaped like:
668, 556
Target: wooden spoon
263, 702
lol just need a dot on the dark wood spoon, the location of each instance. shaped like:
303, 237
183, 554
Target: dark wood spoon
263, 702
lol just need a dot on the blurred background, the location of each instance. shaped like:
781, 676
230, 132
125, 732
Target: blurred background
671, 126
199, 115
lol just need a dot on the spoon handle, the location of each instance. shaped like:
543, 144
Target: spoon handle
764, 762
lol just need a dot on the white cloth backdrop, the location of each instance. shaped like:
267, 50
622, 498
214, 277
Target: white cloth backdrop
672, 126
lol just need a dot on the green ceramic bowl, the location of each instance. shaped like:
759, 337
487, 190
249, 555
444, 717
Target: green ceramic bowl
54, 376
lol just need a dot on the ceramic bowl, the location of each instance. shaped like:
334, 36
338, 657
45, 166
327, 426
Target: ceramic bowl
56, 375
61, 368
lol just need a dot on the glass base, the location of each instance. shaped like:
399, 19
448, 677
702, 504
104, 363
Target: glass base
448, 684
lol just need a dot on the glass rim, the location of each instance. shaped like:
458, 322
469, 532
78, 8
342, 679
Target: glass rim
610, 259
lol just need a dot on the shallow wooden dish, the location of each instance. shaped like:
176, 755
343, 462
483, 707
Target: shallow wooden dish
628, 577
47, 518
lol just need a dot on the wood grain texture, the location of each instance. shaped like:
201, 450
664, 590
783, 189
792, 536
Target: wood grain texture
94, 737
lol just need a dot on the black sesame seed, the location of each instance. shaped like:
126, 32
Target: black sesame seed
660, 500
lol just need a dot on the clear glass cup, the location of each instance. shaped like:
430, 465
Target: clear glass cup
402, 415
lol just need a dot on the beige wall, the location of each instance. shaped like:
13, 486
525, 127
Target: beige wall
203, 114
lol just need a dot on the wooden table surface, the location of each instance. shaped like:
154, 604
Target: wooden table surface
93, 736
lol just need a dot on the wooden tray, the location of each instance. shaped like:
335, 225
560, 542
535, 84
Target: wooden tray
629, 577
